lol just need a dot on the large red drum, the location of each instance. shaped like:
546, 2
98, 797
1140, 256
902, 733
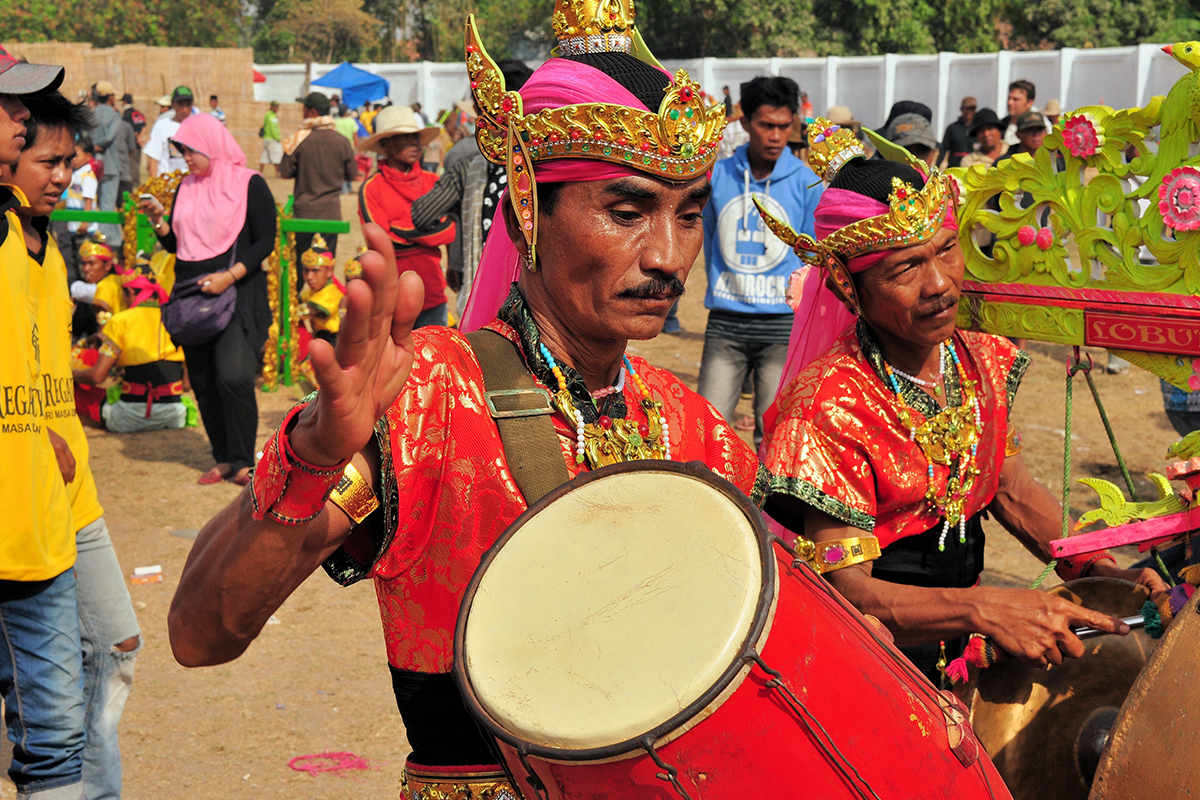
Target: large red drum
638, 634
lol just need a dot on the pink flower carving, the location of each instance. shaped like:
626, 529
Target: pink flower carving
1179, 199
1081, 137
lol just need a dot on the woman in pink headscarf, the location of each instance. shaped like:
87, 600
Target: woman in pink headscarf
221, 228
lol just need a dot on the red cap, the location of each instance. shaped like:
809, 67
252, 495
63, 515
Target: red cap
17, 77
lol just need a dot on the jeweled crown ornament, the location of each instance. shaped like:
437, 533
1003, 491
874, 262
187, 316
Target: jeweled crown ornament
913, 216
317, 255
677, 143
96, 247
593, 26
830, 146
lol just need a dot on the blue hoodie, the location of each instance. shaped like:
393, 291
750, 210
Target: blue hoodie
748, 266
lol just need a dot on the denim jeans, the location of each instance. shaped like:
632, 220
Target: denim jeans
432, 316
41, 679
725, 365
106, 619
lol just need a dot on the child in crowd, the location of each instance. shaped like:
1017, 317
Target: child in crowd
154, 380
101, 284
322, 294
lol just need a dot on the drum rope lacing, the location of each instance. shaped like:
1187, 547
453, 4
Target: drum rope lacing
839, 760
902, 664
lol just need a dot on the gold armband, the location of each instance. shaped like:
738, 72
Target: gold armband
1012, 442
353, 495
837, 553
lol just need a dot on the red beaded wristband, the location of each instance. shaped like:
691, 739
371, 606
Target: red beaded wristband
1070, 569
284, 487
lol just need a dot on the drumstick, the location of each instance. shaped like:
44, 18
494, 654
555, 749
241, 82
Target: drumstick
1136, 621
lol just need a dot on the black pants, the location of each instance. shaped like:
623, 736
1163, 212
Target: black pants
303, 242
222, 374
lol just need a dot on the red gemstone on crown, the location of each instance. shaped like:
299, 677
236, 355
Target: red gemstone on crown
643, 429
523, 183
605, 422
598, 135
645, 147
575, 134
622, 140
506, 103
554, 137
685, 94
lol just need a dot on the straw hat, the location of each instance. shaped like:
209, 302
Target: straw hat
1052, 109
395, 120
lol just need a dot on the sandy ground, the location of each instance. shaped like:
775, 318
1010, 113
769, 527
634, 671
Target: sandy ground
317, 681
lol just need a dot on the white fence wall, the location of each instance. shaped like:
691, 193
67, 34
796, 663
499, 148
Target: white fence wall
1120, 77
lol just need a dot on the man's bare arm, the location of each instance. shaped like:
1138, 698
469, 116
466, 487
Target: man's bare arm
241, 570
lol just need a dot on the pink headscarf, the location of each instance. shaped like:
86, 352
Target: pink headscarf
145, 289
210, 209
820, 316
558, 82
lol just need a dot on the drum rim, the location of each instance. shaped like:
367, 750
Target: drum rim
762, 612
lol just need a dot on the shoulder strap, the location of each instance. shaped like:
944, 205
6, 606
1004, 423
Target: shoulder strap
522, 412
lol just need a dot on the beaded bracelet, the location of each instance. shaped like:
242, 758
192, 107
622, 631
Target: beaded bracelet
286, 488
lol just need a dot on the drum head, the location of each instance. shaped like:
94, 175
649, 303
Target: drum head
617, 607
1152, 750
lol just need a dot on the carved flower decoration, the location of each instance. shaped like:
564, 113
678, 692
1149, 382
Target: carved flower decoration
1081, 136
1179, 199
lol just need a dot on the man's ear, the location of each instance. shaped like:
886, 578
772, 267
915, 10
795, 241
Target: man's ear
745, 120
513, 228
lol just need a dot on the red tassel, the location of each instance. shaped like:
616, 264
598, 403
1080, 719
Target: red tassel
957, 671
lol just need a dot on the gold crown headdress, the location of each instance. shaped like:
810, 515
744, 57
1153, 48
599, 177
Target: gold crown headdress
913, 216
317, 255
677, 143
96, 247
353, 268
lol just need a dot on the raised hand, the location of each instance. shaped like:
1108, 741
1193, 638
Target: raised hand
1035, 626
364, 375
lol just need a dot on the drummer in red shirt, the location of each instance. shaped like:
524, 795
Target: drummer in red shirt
386, 199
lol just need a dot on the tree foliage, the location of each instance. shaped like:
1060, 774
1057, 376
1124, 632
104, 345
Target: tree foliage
399, 30
105, 23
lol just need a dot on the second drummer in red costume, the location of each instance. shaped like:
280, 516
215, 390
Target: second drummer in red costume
890, 472
614, 239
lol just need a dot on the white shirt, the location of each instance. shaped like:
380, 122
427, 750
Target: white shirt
159, 146
83, 187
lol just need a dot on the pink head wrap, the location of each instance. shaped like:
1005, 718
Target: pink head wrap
558, 82
210, 209
820, 315
146, 289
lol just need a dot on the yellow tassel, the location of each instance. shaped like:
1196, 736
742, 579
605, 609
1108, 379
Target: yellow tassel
1191, 575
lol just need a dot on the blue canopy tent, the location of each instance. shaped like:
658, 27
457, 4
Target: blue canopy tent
357, 85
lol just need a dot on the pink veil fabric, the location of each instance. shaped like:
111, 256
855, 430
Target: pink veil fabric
210, 209
558, 82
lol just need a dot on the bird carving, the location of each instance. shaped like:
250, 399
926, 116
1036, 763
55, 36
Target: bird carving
1180, 115
1116, 510
1186, 448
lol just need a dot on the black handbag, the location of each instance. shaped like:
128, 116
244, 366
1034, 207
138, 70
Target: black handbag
192, 316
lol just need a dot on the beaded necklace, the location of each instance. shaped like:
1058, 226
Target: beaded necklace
608, 440
950, 438
936, 386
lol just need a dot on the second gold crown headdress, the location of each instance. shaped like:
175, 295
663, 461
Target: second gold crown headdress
913, 215
96, 247
317, 255
678, 142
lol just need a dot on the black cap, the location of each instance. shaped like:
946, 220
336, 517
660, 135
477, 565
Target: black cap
317, 102
127, 99
182, 93
985, 118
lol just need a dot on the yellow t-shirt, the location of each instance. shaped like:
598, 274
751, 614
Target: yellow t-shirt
141, 337
37, 539
324, 306
111, 292
54, 333
162, 264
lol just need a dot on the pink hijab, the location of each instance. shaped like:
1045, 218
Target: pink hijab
210, 209
558, 82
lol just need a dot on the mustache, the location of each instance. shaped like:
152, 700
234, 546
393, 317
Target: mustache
655, 287
938, 306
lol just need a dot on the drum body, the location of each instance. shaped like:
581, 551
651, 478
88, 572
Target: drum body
1153, 751
636, 634
1045, 728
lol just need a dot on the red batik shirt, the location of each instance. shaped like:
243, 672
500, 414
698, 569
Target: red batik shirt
834, 439
448, 495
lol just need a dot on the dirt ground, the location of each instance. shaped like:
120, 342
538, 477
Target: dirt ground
317, 681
